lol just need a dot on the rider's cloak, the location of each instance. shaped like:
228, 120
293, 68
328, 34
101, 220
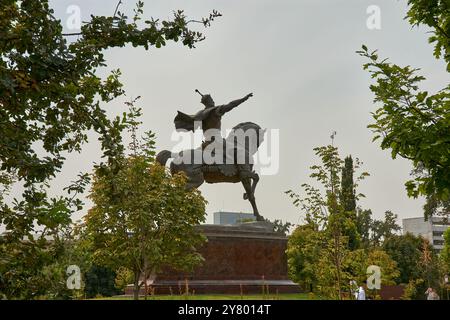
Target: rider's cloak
187, 122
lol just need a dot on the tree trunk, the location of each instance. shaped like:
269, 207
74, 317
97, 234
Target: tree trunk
145, 285
136, 287
338, 264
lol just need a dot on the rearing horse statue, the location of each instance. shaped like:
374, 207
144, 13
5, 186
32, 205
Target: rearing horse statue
218, 160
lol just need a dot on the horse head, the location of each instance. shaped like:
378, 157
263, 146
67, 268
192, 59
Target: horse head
248, 135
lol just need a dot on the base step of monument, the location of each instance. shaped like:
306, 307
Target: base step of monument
220, 287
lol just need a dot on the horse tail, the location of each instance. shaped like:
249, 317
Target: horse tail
163, 156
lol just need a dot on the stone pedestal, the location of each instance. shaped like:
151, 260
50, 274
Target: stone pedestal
245, 258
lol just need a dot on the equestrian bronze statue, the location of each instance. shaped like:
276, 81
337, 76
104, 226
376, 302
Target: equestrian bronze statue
218, 159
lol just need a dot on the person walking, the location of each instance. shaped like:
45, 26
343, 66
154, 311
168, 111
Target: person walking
361, 293
431, 294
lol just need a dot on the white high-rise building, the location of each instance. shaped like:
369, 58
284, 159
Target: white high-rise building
432, 229
232, 218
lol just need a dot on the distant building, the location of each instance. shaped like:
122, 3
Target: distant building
433, 229
223, 217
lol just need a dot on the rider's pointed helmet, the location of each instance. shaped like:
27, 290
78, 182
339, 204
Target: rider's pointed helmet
207, 101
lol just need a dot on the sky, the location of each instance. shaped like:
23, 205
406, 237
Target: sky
298, 58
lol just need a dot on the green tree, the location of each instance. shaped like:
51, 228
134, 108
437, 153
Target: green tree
303, 252
384, 229
347, 194
429, 265
405, 250
414, 290
280, 227
100, 281
347, 199
429, 270
124, 277
44, 275
436, 207
413, 123
325, 212
364, 224
332, 276
311, 260
360, 259
50, 97
144, 219
389, 269
416, 260
436, 15
445, 253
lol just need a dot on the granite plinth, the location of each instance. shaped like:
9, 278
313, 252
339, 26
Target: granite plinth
245, 258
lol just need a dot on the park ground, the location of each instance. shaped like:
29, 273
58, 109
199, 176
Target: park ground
293, 296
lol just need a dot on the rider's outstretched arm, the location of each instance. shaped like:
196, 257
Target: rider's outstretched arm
233, 104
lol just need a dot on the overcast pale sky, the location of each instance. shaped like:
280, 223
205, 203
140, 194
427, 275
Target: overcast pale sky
298, 58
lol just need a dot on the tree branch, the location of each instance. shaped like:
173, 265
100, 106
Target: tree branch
439, 28
72, 34
117, 8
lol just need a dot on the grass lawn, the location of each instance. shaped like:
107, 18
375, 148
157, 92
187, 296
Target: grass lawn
290, 296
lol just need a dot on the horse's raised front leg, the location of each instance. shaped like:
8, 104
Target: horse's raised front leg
246, 182
194, 181
255, 178
194, 176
